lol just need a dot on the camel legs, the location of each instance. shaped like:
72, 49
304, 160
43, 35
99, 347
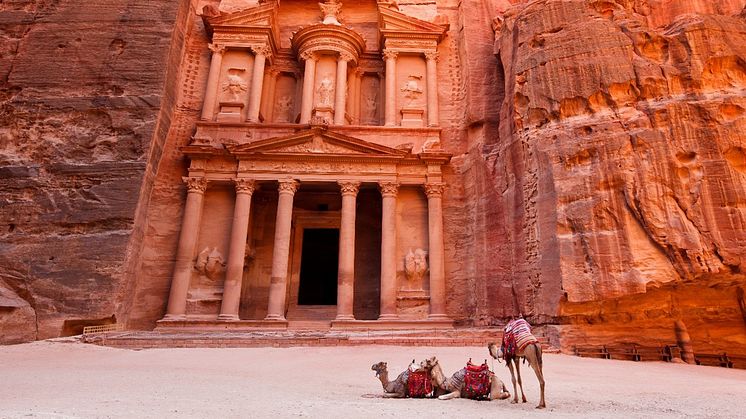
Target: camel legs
512, 379
393, 395
454, 395
533, 355
517, 363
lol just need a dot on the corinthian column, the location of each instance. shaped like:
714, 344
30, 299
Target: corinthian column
261, 53
390, 57
185, 252
389, 191
211, 92
237, 253
340, 98
432, 88
434, 193
346, 276
281, 251
309, 76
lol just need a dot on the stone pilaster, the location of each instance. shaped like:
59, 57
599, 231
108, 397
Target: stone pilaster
346, 276
390, 57
309, 78
176, 309
389, 191
340, 93
281, 251
237, 252
211, 91
261, 54
431, 59
434, 192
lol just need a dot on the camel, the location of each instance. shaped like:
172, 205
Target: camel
451, 388
393, 389
530, 353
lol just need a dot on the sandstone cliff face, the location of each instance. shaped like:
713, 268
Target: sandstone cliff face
617, 169
80, 119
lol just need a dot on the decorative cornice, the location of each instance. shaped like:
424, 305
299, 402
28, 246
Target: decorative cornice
195, 184
389, 189
434, 189
289, 186
246, 186
349, 187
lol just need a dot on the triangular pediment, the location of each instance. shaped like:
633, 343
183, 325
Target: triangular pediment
394, 21
317, 142
264, 15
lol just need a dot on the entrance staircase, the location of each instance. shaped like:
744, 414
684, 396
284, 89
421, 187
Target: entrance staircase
300, 333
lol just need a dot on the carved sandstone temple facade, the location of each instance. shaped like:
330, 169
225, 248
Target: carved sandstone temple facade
315, 179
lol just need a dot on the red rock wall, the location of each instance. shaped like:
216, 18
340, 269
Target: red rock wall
617, 172
84, 107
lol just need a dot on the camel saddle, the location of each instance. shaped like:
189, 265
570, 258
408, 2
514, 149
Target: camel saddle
517, 335
419, 384
477, 381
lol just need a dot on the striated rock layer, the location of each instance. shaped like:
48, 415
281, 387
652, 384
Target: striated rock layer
598, 180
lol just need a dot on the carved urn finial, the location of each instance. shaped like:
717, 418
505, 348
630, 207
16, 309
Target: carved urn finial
330, 12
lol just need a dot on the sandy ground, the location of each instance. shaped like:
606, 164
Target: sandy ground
71, 380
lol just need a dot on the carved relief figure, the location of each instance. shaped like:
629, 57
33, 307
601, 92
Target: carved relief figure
234, 84
283, 108
210, 263
415, 266
370, 107
412, 89
325, 92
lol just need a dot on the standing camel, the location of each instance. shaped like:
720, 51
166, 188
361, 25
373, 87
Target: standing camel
531, 353
452, 388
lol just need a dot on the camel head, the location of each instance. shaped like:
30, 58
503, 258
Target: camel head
495, 351
379, 368
429, 363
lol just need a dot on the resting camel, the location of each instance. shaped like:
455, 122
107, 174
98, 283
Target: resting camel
450, 388
396, 388
532, 354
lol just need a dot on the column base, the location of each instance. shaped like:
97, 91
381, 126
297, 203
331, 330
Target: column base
174, 317
228, 318
275, 317
344, 317
388, 317
438, 317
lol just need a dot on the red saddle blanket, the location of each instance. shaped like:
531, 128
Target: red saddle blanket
477, 381
419, 384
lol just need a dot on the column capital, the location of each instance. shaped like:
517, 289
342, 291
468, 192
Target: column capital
262, 49
349, 187
389, 54
389, 189
195, 184
216, 48
289, 186
308, 55
434, 189
345, 56
244, 185
431, 56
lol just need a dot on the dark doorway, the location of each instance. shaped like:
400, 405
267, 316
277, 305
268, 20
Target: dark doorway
318, 267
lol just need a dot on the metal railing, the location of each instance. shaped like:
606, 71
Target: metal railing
116, 327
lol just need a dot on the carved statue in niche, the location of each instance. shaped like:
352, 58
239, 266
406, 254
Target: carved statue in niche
415, 267
370, 107
234, 84
412, 89
210, 263
325, 92
283, 108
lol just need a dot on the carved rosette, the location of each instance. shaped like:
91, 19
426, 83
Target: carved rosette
289, 186
349, 188
246, 186
216, 48
195, 184
431, 55
434, 189
389, 54
389, 189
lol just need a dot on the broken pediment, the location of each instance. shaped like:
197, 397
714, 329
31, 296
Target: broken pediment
262, 15
392, 22
316, 141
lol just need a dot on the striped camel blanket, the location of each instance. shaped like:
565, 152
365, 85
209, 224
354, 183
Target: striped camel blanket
516, 337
